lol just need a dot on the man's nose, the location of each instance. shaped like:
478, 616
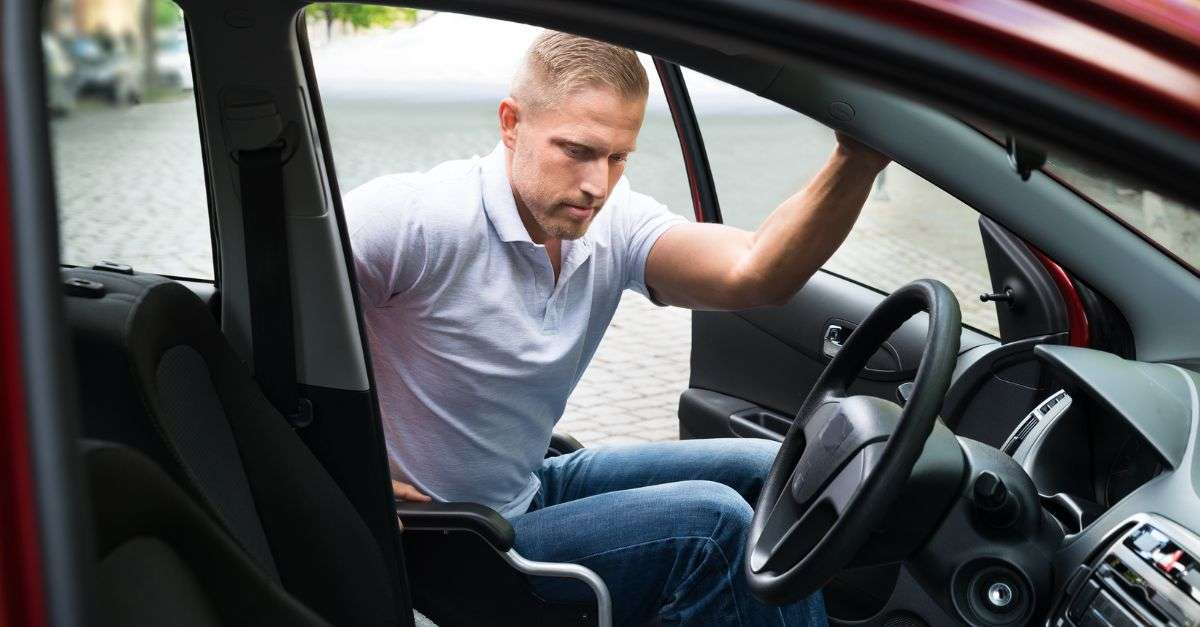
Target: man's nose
595, 179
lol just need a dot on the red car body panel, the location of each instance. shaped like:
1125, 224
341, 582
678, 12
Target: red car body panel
1138, 57
22, 598
1180, 18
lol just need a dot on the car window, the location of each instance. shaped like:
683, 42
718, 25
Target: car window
128, 169
1168, 223
401, 93
761, 152
406, 90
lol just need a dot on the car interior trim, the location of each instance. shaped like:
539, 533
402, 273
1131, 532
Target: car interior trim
1145, 572
328, 345
1144, 395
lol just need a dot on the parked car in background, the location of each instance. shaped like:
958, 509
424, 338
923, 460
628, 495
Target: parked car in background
107, 68
61, 83
172, 61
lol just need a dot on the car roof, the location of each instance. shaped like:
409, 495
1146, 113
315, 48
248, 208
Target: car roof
1138, 57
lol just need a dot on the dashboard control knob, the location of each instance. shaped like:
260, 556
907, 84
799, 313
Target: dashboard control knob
994, 502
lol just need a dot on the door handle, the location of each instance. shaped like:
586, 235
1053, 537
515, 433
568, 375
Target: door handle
835, 336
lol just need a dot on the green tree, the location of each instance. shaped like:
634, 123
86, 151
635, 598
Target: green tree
358, 16
167, 14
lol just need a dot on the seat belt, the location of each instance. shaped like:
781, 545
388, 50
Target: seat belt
264, 229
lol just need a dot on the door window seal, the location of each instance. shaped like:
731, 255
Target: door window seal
691, 142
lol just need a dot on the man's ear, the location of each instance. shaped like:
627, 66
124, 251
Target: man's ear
510, 117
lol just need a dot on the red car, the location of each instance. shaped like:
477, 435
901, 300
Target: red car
208, 450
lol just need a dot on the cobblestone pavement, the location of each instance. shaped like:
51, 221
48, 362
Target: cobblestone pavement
131, 189
630, 393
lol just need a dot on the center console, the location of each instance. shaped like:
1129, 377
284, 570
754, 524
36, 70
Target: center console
1147, 573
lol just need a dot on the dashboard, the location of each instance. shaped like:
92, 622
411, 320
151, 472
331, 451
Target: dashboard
1082, 456
1113, 456
1081, 510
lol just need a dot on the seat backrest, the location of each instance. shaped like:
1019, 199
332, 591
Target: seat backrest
155, 373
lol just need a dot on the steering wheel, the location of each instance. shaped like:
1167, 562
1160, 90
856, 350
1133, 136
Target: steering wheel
845, 458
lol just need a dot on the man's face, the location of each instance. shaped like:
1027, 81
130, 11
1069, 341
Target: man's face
567, 156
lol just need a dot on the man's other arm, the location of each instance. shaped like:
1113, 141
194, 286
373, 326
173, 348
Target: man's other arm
713, 266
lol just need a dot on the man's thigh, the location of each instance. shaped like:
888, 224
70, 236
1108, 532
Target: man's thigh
740, 463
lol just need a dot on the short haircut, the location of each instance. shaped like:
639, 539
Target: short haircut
559, 64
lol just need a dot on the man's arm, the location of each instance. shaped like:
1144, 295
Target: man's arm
712, 266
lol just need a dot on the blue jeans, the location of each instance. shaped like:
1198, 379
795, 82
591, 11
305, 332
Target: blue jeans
664, 525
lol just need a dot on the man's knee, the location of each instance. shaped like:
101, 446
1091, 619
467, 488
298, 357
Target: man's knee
720, 511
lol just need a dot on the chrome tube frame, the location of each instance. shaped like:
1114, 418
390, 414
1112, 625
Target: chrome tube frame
554, 569
572, 571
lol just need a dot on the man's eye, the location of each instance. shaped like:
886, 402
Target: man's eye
620, 158
577, 152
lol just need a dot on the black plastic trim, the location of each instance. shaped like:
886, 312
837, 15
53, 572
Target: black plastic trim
691, 141
480, 519
1108, 329
973, 374
1037, 307
562, 444
206, 162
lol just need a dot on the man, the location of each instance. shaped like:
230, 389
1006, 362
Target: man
487, 285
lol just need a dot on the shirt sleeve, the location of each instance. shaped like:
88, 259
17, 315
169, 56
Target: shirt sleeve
386, 239
645, 221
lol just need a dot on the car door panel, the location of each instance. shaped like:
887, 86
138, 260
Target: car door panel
752, 369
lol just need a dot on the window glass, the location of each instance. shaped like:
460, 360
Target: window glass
405, 90
129, 174
761, 153
1169, 223
402, 93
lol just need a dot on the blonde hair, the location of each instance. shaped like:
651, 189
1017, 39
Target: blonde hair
559, 64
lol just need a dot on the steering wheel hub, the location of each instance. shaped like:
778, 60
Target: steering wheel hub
841, 429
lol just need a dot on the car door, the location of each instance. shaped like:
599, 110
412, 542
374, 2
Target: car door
751, 369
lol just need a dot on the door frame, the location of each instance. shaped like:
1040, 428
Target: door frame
691, 142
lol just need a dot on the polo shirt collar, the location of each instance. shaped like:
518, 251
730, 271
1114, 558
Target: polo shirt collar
501, 209
498, 200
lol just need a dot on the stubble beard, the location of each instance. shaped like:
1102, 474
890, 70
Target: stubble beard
564, 228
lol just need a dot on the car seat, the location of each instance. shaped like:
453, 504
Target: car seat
156, 374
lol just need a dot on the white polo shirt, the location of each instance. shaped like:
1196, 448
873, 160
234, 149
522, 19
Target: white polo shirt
475, 346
